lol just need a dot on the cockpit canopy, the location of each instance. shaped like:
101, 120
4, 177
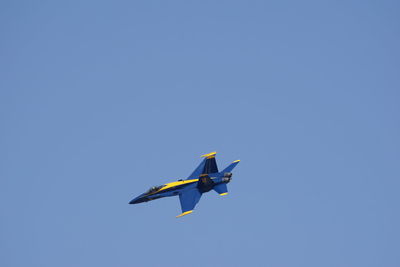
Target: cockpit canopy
154, 189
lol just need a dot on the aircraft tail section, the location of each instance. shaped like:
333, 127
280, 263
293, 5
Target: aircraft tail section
207, 166
231, 166
221, 189
211, 163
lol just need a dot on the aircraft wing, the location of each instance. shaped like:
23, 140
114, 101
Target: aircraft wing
208, 165
189, 199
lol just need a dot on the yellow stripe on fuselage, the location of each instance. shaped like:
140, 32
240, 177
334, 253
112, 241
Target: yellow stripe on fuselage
177, 183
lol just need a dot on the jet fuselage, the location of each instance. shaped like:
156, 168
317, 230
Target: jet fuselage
204, 184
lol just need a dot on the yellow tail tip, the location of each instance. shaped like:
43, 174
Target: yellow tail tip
236, 161
209, 155
223, 194
185, 213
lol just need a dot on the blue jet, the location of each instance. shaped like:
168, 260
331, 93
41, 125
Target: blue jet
203, 179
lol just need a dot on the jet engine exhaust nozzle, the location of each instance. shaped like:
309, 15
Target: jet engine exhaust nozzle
227, 177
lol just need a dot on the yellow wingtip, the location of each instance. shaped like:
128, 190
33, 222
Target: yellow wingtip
185, 213
223, 194
209, 155
236, 161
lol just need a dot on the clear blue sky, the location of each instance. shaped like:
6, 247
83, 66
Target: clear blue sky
101, 100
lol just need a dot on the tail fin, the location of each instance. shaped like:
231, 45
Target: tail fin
208, 165
231, 166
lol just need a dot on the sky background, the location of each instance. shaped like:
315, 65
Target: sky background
101, 100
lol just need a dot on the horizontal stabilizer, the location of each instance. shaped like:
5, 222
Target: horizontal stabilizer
221, 189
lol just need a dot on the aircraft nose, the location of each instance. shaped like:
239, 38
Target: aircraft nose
137, 200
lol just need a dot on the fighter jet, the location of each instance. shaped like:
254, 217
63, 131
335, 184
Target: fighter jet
203, 179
